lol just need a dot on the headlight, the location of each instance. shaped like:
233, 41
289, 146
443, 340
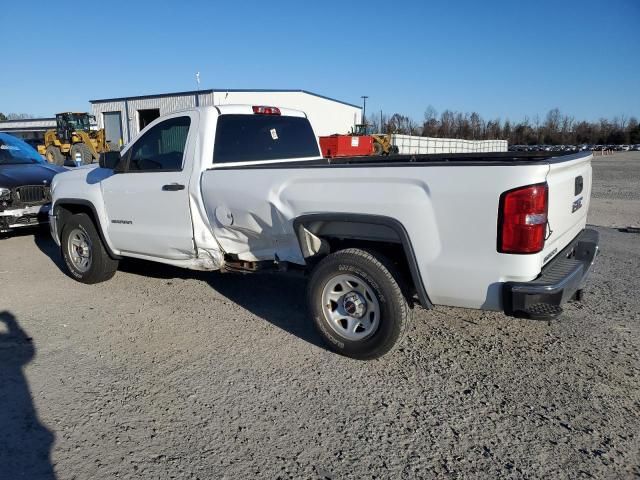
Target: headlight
5, 194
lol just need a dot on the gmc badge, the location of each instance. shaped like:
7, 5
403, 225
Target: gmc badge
577, 205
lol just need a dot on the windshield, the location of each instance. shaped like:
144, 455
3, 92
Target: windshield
79, 122
15, 151
362, 129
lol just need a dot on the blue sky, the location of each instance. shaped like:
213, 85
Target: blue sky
502, 59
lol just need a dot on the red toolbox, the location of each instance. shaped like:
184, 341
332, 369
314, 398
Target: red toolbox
346, 145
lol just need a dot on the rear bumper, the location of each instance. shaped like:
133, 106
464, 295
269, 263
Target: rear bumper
24, 217
559, 281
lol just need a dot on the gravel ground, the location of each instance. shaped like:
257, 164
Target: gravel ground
163, 373
616, 191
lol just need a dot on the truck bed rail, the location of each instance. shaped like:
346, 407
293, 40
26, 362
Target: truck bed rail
510, 157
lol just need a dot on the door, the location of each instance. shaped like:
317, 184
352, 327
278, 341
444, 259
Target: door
113, 129
145, 117
147, 205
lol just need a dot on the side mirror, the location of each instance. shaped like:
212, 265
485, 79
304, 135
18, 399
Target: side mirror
109, 160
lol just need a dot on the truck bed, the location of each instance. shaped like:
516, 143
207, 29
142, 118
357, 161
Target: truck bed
431, 159
449, 213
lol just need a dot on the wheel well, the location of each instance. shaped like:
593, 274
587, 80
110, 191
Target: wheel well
64, 211
391, 250
320, 235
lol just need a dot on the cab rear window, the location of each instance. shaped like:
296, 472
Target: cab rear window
250, 138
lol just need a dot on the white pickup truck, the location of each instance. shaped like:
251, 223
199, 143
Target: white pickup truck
244, 189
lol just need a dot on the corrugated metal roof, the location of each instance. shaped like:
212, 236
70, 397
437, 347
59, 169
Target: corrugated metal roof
28, 120
27, 123
211, 90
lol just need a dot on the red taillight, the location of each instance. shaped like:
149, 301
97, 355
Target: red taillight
522, 219
262, 110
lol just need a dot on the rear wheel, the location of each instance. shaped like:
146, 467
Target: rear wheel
81, 149
83, 251
357, 304
54, 155
377, 148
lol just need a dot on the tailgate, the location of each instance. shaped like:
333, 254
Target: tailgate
569, 180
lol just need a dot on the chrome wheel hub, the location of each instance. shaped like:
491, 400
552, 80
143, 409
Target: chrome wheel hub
350, 307
79, 249
354, 304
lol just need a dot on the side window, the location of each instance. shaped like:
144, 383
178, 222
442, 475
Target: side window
161, 148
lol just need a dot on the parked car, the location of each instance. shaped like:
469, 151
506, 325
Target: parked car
32, 142
25, 179
245, 189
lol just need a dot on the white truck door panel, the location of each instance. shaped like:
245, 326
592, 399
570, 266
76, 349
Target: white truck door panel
147, 205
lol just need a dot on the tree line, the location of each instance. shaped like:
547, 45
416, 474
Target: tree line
555, 128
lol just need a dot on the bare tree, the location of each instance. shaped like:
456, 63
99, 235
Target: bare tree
447, 120
476, 125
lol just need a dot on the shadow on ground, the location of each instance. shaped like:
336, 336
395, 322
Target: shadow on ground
277, 298
25, 444
280, 299
42, 239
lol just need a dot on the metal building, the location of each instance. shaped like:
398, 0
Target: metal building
28, 129
123, 118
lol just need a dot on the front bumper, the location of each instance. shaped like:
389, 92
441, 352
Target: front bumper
24, 217
53, 227
560, 280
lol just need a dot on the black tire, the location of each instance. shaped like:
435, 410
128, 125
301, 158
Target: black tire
85, 153
377, 148
383, 280
54, 155
101, 266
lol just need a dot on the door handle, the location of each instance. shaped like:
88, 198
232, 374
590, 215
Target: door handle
172, 187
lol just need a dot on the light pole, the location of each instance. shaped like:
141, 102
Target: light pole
198, 89
364, 109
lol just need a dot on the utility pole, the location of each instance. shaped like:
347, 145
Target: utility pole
364, 109
198, 89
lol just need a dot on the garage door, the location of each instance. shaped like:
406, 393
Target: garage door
113, 129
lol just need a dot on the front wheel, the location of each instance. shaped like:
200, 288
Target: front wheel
81, 151
54, 155
357, 304
83, 251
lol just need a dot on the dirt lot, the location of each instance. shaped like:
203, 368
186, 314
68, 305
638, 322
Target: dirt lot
162, 373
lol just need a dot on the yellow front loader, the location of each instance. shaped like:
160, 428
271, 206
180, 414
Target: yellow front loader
73, 138
381, 142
